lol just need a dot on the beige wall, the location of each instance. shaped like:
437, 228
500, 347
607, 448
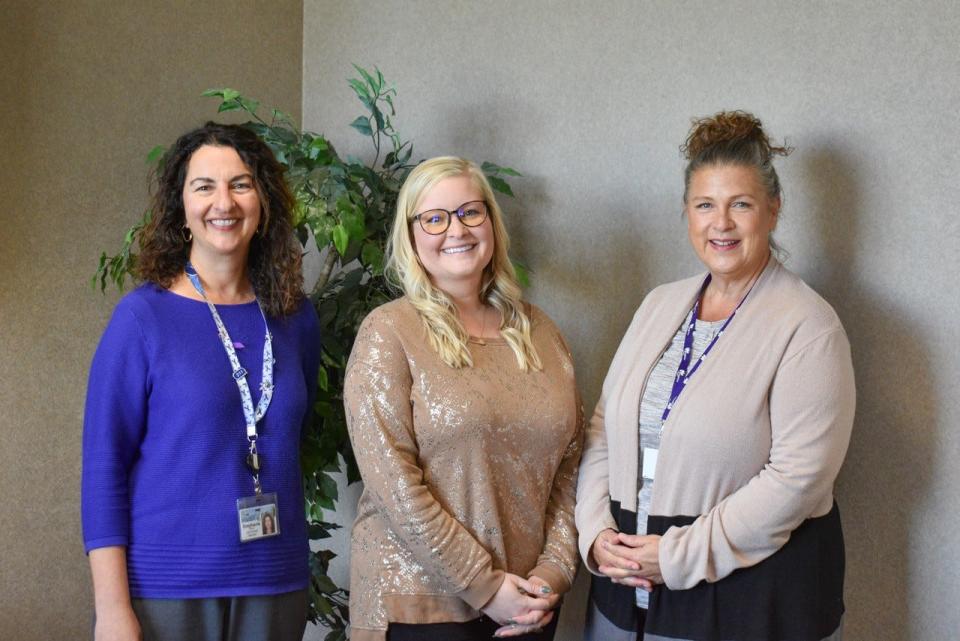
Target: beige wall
87, 88
591, 100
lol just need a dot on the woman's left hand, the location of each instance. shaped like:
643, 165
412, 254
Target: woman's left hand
518, 629
644, 550
533, 620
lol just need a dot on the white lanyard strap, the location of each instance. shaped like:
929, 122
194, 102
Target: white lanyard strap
239, 373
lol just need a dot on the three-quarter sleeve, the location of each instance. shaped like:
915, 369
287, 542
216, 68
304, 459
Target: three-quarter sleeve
594, 481
377, 398
812, 399
113, 427
557, 563
593, 488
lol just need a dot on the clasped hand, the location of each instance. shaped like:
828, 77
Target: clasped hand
521, 605
629, 559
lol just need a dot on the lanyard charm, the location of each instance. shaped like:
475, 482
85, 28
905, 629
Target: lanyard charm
254, 464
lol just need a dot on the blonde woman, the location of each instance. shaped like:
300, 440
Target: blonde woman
465, 419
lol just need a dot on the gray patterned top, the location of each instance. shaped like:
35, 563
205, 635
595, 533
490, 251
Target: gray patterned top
654, 399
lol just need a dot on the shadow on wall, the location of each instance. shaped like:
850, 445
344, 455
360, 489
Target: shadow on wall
590, 266
591, 291
886, 472
594, 293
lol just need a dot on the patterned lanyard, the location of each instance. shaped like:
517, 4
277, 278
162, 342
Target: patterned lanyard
684, 371
240, 376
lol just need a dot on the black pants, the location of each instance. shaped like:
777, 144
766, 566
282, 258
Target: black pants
481, 629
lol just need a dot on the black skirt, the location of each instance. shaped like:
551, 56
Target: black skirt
794, 595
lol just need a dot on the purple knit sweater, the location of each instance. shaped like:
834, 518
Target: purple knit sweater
164, 446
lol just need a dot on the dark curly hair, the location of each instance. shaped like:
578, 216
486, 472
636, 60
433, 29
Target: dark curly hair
274, 262
732, 138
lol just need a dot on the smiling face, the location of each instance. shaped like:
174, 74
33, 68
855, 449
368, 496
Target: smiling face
268, 526
729, 220
456, 258
221, 203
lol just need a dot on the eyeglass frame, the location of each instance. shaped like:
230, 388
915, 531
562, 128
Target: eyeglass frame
458, 212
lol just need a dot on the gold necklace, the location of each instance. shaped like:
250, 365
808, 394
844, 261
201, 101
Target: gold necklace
483, 326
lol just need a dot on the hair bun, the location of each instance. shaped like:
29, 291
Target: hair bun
728, 127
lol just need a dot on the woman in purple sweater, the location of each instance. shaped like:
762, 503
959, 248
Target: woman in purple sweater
198, 392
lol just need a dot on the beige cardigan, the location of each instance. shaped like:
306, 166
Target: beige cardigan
467, 473
752, 446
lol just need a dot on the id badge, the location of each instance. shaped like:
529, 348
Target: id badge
258, 516
650, 463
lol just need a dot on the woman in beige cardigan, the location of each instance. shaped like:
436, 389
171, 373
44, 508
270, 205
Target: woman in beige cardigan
464, 417
705, 500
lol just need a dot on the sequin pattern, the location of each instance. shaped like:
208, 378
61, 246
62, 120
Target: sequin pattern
467, 472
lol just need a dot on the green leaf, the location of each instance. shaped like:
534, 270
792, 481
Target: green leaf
282, 116
378, 116
322, 237
317, 532
372, 256
499, 184
359, 88
523, 273
369, 79
323, 381
352, 221
340, 239
317, 147
335, 635
362, 124
230, 94
328, 487
325, 584
324, 607
494, 169
155, 154
248, 104
229, 106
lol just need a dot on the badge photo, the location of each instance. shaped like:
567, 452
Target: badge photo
258, 516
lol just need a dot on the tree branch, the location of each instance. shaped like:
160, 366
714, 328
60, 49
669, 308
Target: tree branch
329, 261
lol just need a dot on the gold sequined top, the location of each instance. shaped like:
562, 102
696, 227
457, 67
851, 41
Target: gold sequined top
467, 472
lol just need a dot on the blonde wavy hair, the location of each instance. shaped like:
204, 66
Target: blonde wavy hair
499, 287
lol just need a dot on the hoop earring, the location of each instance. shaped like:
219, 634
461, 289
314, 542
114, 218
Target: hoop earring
186, 234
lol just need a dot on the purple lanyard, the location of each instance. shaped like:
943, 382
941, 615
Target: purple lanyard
684, 371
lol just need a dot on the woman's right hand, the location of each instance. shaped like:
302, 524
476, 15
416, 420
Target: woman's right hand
613, 560
116, 620
117, 624
603, 557
515, 598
